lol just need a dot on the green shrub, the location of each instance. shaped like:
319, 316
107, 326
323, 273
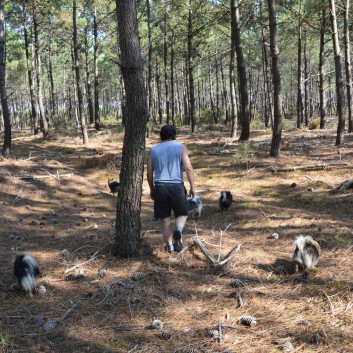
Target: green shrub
314, 124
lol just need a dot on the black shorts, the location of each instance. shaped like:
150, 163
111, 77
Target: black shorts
168, 197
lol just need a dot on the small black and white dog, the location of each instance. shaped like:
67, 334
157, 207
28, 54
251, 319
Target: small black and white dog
226, 200
194, 206
113, 186
307, 252
26, 271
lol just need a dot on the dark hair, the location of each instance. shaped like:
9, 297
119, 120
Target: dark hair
168, 132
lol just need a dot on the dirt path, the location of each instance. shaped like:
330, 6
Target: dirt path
65, 214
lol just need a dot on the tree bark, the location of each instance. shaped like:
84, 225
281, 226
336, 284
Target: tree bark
50, 72
322, 103
96, 78
348, 67
39, 78
339, 76
81, 115
190, 66
233, 103
267, 83
241, 65
306, 83
88, 81
172, 85
128, 223
3, 95
166, 83
149, 70
33, 113
300, 105
276, 80
159, 94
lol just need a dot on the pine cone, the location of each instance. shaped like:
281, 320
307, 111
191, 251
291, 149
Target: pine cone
237, 283
38, 319
287, 347
248, 320
137, 276
49, 325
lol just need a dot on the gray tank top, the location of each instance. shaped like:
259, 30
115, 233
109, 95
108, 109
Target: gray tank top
167, 162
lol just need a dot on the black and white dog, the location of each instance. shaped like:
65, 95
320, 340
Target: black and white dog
306, 253
194, 206
226, 200
26, 271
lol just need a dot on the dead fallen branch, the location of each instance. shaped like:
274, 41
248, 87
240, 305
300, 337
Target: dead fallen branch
319, 166
31, 177
212, 259
82, 263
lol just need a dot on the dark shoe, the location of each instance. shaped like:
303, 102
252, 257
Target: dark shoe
178, 242
169, 248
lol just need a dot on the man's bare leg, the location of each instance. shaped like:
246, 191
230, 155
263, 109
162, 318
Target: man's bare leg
167, 233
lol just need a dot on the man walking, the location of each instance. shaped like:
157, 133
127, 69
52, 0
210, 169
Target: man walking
165, 166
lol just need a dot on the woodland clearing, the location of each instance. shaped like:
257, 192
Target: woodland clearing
55, 204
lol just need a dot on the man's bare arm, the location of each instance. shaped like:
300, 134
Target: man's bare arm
150, 170
188, 170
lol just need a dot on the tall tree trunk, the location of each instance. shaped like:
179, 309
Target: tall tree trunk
166, 83
39, 78
241, 65
224, 95
33, 113
233, 103
210, 85
81, 115
128, 223
159, 94
276, 80
3, 95
88, 81
172, 90
300, 105
267, 83
50, 72
339, 76
348, 67
190, 66
322, 103
306, 83
217, 90
96, 79
149, 70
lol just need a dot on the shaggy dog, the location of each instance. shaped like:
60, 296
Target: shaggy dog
226, 200
306, 253
194, 206
26, 270
113, 186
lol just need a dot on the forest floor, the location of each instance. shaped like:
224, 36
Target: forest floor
66, 215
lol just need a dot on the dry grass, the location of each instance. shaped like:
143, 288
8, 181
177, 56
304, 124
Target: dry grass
65, 221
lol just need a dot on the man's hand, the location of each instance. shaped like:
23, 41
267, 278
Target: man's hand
192, 193
152, 194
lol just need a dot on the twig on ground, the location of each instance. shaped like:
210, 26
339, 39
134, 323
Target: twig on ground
82, 263
264, 213
318, 166
220, 242
210, 257
330, 302
31, 177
